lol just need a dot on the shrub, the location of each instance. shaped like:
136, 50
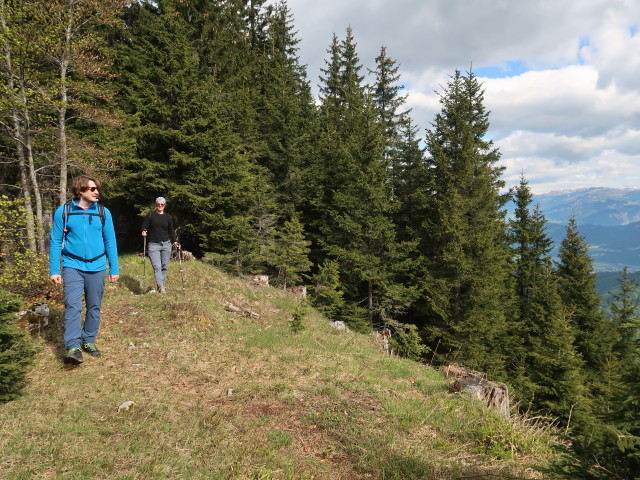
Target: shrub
326, 295
406, 341
296, 324
22, 271
16, 351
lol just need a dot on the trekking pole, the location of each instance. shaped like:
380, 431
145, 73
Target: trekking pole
144, 264
180, 261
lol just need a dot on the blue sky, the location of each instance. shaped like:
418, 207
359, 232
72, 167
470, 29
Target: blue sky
561, 77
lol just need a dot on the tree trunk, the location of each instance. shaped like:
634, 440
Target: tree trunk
64, 103
40, 233
18, 137
370, 295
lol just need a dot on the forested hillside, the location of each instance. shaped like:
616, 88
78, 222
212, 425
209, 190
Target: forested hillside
389, 224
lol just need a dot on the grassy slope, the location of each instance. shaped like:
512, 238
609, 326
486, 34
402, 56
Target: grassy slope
221, 396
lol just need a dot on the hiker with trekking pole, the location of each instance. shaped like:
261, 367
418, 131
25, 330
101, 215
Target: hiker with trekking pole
82, 240
158, 229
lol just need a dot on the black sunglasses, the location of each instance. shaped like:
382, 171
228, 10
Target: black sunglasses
93, 189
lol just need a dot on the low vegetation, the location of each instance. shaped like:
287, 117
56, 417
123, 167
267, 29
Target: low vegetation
219, 395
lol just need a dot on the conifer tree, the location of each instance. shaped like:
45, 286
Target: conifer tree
463, 238
594, 339
386, 95
285, 110
410, 182
290, 253
555, 380
580, 296
327, 296
531, 249
16, 351
623, 310
544, 366
353, 198
619, 449
388, 101
622, 453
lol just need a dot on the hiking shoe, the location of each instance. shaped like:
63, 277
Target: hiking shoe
91, 349
73, 356
162, 289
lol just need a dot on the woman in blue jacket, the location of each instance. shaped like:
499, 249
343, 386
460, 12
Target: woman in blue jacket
83, 237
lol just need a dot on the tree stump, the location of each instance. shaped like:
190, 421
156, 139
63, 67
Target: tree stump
493, 394
260, 280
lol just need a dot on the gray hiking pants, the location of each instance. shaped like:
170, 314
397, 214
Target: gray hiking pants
159, 254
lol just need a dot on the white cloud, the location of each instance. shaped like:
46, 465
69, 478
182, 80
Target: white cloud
566, 101
552, 162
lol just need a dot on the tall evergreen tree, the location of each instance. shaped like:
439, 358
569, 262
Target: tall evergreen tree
352, 200
463, 238
531, 243
543, 366
388, 101
577, 284
386, 95
410, 182
594, 339
556, 381
623, 312
285, 110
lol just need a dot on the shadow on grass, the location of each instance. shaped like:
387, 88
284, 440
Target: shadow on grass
133, 284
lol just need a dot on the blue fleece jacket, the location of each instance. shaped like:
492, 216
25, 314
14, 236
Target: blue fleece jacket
86, 238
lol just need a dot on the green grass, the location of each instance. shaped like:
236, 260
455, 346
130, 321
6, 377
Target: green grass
223, 396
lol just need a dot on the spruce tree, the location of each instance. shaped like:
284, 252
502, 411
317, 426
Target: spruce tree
555, 380
623, 312
577, 284
531, 247
285, 111
619, 452
389, 102
352, 199
465, 288
410, 183
290, 253
622, 454
16, 351
594, 339
326, 295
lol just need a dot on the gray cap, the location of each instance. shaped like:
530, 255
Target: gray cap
161, 200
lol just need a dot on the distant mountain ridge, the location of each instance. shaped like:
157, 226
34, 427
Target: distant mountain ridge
608, 218
593, 206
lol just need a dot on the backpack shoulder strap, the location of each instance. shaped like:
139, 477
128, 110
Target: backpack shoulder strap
101, 212
65, 215
65, 218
